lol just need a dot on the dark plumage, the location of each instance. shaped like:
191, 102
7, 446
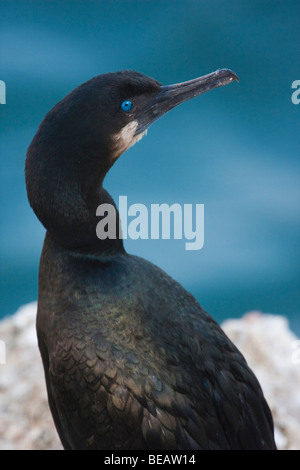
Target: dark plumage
131, 359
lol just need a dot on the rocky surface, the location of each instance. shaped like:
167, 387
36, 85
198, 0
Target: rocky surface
270, 348
273, 353
25, 420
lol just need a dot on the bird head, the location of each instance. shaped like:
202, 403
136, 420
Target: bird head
129, 102
100, 119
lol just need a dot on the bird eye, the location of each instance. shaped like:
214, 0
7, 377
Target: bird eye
126, 105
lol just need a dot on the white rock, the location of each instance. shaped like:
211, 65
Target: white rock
25, 419
272, 352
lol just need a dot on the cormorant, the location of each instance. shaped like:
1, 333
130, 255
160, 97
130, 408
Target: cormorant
131, 360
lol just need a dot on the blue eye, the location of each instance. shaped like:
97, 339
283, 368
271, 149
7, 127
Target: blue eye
126, 105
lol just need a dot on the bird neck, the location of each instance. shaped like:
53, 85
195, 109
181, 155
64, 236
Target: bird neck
66, 203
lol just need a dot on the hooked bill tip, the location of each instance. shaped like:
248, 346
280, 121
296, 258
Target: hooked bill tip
230, 73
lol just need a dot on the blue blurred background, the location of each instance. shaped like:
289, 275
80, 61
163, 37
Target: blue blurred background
235, 149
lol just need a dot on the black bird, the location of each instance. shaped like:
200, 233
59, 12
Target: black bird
131, 359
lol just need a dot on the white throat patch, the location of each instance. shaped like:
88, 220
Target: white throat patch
126, 138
